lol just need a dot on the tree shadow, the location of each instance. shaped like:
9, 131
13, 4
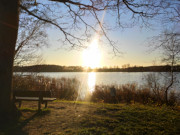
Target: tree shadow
16, 127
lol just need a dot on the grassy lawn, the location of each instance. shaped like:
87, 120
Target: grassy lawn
83, 118
114, 119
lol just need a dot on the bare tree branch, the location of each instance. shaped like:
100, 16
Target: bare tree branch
134, 10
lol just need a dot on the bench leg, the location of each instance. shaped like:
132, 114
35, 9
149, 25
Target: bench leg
45, 104
39, 105
20, 104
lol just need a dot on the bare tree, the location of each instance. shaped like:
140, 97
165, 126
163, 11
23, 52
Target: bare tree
154, 82
31, 38
169, 44
71, 18
71, 15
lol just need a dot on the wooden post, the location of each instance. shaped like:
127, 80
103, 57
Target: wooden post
40, 100
39, 105
19, 103
45, 104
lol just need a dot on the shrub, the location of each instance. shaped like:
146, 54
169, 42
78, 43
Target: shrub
62, 88
130, 93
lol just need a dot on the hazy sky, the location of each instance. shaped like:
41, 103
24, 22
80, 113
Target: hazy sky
133, 42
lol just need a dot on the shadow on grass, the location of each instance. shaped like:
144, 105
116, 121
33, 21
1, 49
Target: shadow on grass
41, 112
16, 127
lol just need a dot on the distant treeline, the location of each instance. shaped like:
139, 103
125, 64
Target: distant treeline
56, 68
48, 68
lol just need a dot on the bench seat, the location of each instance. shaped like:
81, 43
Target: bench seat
34, 98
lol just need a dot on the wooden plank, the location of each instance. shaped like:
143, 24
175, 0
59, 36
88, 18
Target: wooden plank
27, 98
48, 99
34, 98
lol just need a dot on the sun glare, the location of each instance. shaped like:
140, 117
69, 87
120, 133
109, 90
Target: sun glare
92, 55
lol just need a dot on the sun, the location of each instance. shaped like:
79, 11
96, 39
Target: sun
92, 55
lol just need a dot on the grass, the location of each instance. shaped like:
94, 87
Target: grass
41, 112
97, 119
133, 119
14, 127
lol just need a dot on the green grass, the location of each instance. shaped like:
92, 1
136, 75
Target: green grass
133, 119
40, 112
112, 119
128, 120
74, 102
26, 109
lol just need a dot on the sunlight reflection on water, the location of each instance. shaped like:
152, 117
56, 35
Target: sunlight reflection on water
91, 81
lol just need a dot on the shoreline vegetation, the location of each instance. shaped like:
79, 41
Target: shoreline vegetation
70, 89
125, 68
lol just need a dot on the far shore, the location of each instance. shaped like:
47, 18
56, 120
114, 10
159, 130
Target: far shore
85, 71
57, 68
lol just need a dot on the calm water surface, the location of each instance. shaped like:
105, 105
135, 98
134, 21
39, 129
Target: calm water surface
106, 78
100, 77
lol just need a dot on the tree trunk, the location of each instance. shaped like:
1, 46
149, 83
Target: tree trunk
172, 82
9, 18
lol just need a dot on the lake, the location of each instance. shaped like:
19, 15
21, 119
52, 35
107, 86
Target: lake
107, 78
88, 80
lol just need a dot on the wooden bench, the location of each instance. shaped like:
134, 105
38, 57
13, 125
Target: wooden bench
25, 95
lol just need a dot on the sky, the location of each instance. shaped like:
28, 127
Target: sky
132, 42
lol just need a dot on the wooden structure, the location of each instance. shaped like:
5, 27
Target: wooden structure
25, 95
